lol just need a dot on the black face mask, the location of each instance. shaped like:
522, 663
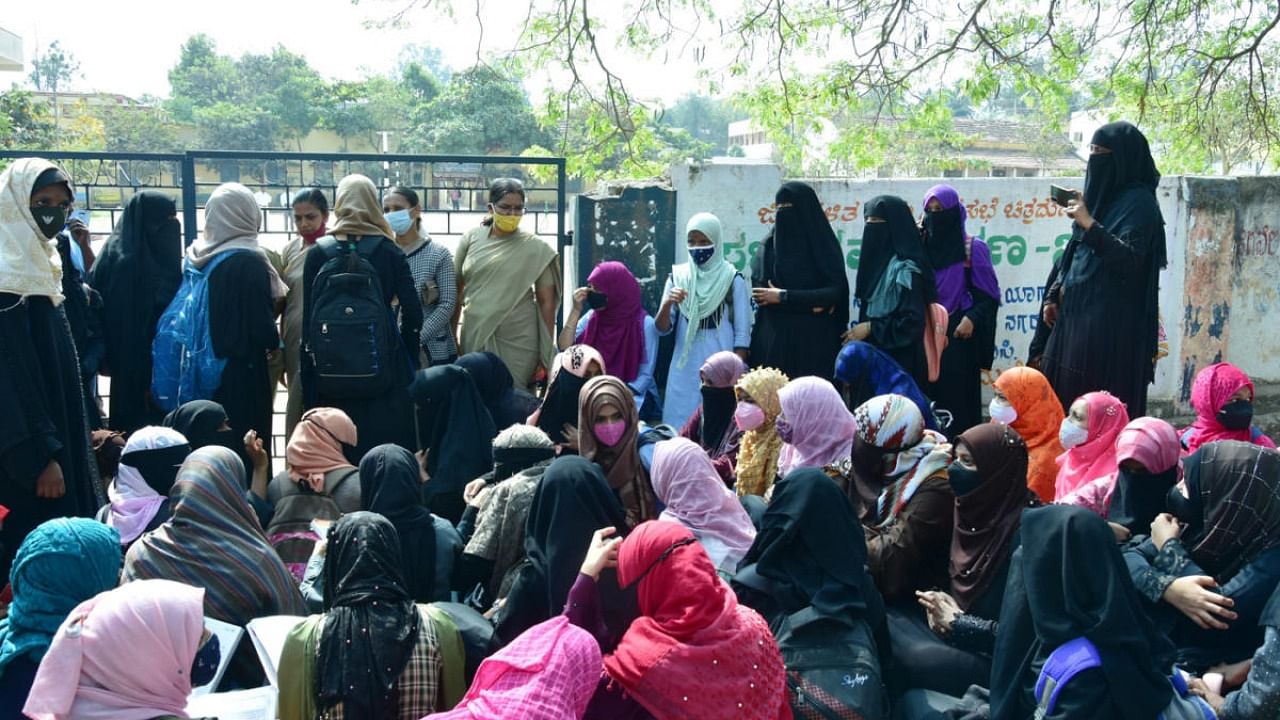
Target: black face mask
944, 237
50, 220
159, 466
596, 300
963, 480
204, 667
1236, 415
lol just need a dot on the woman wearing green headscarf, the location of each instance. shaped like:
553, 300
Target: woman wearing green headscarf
708, 305
62, 563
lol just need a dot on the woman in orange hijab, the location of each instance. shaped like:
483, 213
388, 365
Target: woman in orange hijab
1025, 401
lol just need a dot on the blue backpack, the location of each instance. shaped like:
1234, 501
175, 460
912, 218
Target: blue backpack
1075, 656
183, 364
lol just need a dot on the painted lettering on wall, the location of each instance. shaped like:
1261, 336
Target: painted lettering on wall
1262, 241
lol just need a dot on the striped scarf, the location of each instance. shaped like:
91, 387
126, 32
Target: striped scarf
913, 454
214, 541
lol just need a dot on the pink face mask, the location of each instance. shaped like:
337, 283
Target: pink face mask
610, 433
748, 416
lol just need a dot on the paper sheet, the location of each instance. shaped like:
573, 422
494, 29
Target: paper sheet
268, 635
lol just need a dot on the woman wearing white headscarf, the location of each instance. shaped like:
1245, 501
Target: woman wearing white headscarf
707, 302
242, 291
139, 494
46, 469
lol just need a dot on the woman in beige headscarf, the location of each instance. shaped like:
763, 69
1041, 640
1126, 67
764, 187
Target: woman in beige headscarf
508, 287
242, 317
386, 417
45, 466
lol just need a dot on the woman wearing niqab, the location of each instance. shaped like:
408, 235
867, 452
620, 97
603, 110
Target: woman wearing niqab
1106, 298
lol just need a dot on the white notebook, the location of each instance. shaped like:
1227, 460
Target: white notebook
268, 635
255, 704
228, 638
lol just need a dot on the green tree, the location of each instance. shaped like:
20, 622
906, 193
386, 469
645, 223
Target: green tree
52, 70
202, 78
227, 126
706, 119
480, 111
24, 123
139, 129
428, 57
284, 85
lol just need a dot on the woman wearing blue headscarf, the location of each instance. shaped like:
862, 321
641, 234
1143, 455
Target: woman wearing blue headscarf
62, 563
864, 371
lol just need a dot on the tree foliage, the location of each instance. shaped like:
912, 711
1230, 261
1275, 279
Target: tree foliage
24, 123
1196, 73
52, 70
482, 110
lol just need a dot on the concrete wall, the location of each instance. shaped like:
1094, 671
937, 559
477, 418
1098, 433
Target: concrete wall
1216, 296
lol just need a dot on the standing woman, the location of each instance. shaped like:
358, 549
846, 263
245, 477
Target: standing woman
508, 287
616, 325
137, 275
433, 275
1104, 307
310, 218
46, 467
799, 284
894, 286
242, 318
712, 314
387, 417
967, 287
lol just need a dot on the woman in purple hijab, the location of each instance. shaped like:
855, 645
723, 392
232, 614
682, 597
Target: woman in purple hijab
968, 288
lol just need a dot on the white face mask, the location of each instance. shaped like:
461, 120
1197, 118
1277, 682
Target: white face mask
1071, 434
1002, 412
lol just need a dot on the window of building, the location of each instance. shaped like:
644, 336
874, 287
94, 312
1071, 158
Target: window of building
999, 172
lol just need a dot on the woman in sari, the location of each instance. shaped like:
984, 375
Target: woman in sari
310, 221
137, 274
508, 287
1025, 401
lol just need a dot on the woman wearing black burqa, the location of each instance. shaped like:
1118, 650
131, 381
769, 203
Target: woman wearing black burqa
1067, 582
137, 276
1104, 307
799, 285
46, 467
894, 285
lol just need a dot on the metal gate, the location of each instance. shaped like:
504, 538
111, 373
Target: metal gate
453, 190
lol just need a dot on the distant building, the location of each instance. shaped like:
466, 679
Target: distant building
985, 148
10, 52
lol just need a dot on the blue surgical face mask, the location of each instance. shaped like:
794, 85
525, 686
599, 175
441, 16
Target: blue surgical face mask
700, 255
400, 221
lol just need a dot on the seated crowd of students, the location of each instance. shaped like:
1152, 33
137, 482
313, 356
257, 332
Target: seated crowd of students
456, 547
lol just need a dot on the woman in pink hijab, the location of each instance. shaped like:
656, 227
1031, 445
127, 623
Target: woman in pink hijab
123, 655
694, 495
815, 426
1088, 435
1146, 456
549, 672
1223, 400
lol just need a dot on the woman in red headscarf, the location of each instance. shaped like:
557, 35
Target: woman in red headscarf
694, 652
616, 324
1223, 400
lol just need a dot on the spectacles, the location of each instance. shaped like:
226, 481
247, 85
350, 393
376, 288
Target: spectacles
509, 209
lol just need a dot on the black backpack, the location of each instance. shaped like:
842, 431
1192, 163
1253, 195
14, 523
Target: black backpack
352, 338
833, 670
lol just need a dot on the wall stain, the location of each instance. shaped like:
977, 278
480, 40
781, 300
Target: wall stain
1221, 313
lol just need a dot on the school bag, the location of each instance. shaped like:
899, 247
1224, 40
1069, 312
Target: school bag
352, 339
1075, 656
290, 531
183, 364
833, 671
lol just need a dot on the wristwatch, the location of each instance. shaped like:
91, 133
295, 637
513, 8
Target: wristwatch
782, 296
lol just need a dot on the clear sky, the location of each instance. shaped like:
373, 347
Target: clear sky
128, 46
